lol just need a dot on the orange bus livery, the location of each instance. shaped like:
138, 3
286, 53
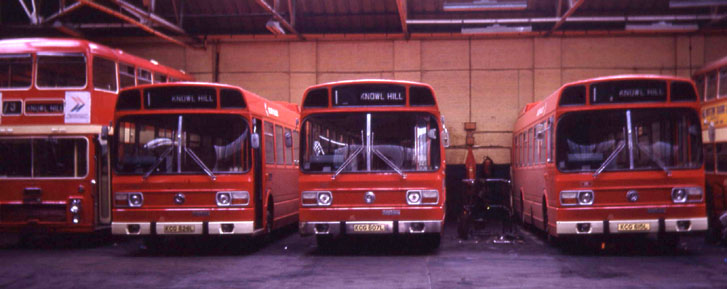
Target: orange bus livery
57, 96
203, 159
372, 160
611, 155
711, 84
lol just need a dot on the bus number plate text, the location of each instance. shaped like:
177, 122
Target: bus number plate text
369, 228
178, 229
636, 227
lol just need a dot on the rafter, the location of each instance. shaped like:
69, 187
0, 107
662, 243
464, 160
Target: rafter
401, 6
133, 21
62, 11
572, 9
279, 18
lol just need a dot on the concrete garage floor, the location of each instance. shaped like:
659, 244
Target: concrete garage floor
290, 261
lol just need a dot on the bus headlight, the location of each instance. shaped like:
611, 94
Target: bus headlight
585, 198
325, 198
223, 199
422, 197
686, 195
240, 198
414, 197
577, 198
136, 200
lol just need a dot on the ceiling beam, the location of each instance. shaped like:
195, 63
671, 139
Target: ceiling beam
148, 16
279, 18
102, 8
62, 11
573, 7
401, 5
67, 30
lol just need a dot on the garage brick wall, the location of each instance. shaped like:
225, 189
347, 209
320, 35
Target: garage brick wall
482, 80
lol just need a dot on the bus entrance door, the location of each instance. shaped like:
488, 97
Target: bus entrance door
257, 173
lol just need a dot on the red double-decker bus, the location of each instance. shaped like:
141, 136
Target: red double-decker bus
57, 95
711, 84
372, 160
203, 159
611, 155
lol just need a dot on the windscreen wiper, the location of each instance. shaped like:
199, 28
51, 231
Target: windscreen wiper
349, 160
199, 162
157, 162
658, 162
610, 159
389, 163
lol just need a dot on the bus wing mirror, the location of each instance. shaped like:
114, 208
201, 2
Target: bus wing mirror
288, 140
104, 132
540, 131
255, 140
445, 137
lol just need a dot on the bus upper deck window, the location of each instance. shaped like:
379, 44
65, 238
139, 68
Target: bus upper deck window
143, 76
160, 78
104, 74
712, 85
61, 70
722, 83
682, 91
126, 75
420, 95
573, 95
316, 98
16, 70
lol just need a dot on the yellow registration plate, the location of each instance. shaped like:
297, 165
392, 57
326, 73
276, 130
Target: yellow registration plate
369, 228
634, 227
178, 229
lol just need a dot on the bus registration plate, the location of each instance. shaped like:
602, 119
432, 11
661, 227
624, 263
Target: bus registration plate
369, 228
634, 227
178, 229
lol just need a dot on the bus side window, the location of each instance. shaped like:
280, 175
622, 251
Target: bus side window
269, 143
159, 78
296, 147
700, 86
721, 157
531, 147
709, 158
104, 74
126, 75
279, 145
551, 139
523, 149
289, 153
723, 82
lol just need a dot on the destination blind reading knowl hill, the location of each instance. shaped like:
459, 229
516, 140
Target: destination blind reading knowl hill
369, 95
180, 97
627, 91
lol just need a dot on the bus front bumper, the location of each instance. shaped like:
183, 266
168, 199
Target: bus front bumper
676, 225
182, 228
371, 227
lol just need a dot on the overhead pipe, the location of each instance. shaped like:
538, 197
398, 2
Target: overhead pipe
571, 10
644, 18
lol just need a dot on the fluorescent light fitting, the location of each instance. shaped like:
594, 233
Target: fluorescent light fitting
484, 5
496, 29
662, 26
274, 27
696, 3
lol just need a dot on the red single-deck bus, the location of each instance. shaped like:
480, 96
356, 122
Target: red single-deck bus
611, 155
56, 96
203, 158
372, 160
712, 87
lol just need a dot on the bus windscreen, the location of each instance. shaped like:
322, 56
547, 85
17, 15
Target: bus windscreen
405, 141
663, 138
